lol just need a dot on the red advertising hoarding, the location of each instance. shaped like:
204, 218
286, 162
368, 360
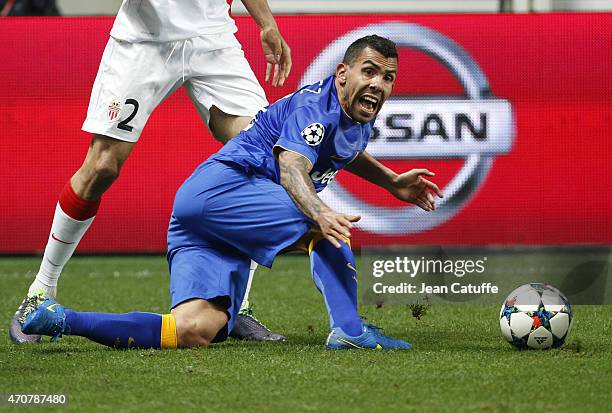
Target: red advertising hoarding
511, 111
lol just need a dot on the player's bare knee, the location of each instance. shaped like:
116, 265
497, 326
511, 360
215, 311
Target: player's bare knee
198, 322
106, 168
190, 333
94, 178
101, 166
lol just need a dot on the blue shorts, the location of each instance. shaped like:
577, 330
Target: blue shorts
222, 218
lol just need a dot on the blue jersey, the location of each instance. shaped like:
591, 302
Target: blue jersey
310, 122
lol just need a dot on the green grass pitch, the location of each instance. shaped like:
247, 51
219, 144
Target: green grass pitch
459, 363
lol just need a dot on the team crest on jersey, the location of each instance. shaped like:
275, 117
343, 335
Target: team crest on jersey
313, 134
113, 111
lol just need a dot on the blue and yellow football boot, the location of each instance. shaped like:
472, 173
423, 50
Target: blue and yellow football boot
47, 319
371, 338
386, 342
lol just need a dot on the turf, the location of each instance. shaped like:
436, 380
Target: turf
459, 364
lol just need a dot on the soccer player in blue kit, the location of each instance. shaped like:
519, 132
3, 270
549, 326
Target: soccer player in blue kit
257, 197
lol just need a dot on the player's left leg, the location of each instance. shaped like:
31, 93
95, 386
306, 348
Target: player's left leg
335, 275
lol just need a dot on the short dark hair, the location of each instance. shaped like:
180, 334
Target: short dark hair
383, 46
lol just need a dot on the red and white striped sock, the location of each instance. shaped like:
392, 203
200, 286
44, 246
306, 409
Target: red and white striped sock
73, 216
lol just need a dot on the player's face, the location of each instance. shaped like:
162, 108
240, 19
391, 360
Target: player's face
365, 84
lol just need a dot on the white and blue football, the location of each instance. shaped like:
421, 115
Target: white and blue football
536, 316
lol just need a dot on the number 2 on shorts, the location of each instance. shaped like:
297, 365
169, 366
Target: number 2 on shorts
123, 125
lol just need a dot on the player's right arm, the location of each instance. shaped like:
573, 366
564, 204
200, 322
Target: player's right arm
294, 178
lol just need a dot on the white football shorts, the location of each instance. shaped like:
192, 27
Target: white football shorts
133, 78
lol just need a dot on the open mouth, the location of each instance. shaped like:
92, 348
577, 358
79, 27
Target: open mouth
368, 103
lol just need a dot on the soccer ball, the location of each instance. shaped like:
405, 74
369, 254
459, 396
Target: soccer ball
536, 316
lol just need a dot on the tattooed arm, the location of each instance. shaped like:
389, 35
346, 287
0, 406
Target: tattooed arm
294, 169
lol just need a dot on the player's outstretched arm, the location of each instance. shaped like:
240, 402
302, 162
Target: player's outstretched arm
276, 50
294, 170
365, 166
410, 186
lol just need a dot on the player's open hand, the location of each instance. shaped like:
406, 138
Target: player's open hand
278, 56
336, 227
412, 187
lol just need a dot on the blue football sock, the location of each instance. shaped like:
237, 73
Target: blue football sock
334, 274
131, 330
